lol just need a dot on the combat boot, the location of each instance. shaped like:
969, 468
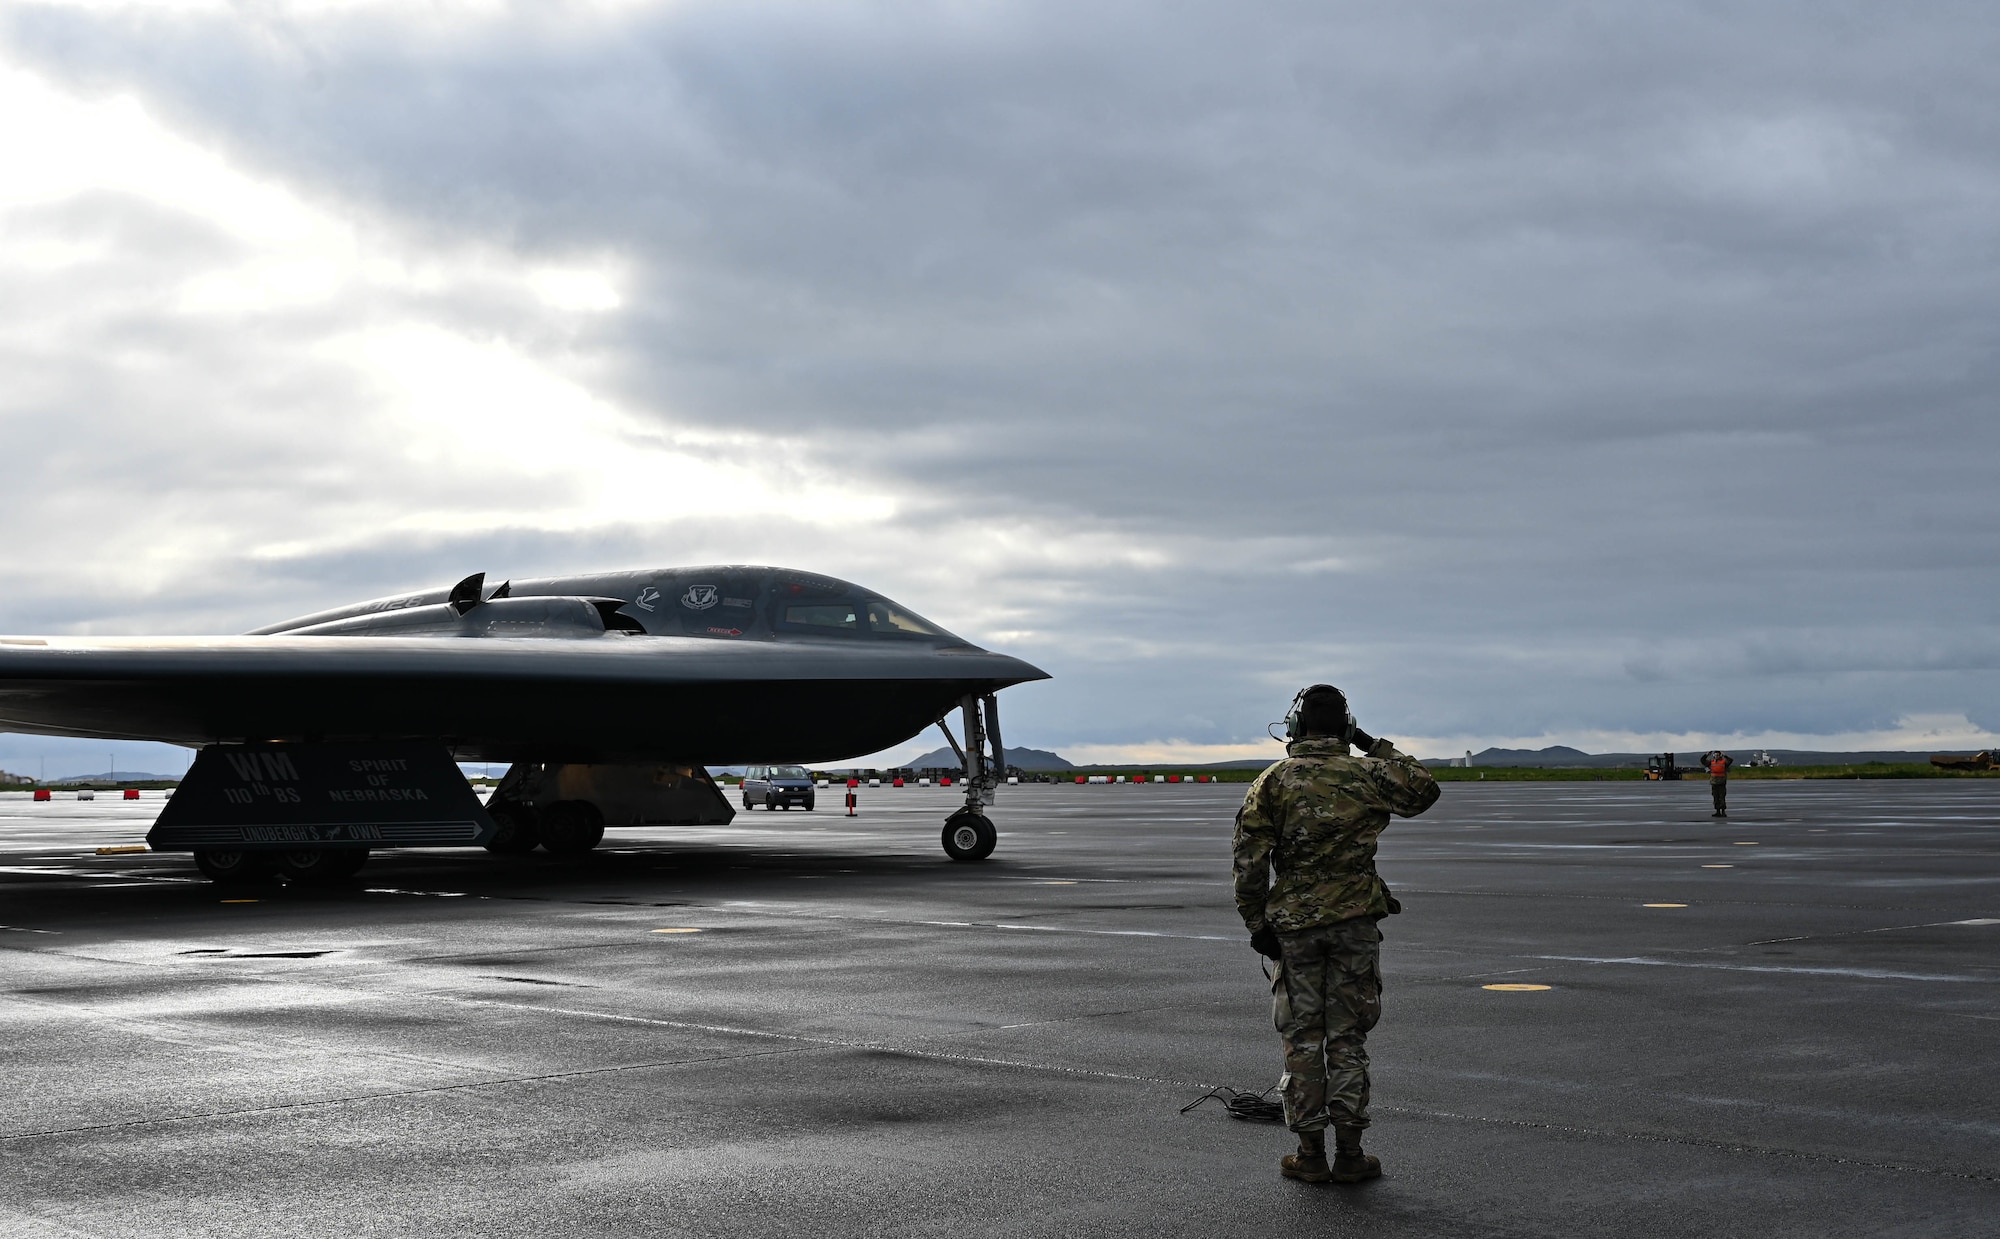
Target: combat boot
1308, 1165
1350, 1164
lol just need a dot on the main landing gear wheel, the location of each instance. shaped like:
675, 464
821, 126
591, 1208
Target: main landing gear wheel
518, 831
571, 827
232, 868
319, 866
968, 836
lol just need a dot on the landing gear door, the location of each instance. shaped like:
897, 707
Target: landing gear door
254, 797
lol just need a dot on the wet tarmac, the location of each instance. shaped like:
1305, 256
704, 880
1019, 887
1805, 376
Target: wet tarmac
1785, 1023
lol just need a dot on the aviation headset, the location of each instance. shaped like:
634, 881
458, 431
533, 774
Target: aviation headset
1295, 728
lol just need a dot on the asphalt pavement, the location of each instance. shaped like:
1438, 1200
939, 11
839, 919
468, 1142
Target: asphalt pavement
1784, 1023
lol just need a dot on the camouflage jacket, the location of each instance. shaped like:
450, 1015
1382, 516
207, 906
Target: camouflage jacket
1313, 819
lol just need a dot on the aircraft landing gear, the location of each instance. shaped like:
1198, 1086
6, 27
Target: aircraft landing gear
319, 866
968, 833
232, 868
969, 836
571, 827
518, 833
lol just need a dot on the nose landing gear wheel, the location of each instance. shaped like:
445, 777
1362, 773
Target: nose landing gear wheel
968, 836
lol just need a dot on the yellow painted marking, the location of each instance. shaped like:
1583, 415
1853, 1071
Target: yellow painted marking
677, 931
1746, 843
243, 901
1664, 905
1063, 883
123, 849
1718, 866
1515, 988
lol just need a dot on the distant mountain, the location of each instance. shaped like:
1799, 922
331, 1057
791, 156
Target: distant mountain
122, 776
1026, 759
1556, 755
1561, 756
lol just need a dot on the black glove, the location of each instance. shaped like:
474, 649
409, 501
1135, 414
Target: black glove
1265, 942
1360, 739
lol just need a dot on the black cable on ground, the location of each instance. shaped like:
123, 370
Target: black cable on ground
1244, 1106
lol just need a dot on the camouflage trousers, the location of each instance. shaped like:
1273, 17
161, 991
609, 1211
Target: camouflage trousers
1327, 995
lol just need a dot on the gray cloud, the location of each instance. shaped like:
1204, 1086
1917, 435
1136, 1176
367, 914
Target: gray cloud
1630, 372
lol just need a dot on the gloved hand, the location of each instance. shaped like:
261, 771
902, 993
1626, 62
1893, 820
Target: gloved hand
1265, 943
1360, 739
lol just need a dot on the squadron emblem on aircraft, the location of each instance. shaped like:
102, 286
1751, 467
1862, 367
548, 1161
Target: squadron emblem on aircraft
700, 597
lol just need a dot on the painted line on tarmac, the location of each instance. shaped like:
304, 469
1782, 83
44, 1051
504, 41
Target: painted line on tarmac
803, 1039
1107, 933
1721, 1146
391, 1095
788, 912
1887, 929
1871, 974
15, 1224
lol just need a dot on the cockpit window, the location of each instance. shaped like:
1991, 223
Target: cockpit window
829, 616
886, 617
828, 608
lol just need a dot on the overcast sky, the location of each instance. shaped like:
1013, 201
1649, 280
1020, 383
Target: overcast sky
1614, 376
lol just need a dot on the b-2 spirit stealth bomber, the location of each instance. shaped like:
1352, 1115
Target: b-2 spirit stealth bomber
608, 695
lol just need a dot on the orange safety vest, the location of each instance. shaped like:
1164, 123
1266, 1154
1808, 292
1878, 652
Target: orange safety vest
1719, 768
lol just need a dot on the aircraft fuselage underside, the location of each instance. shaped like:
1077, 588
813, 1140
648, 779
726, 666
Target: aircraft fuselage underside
587, 721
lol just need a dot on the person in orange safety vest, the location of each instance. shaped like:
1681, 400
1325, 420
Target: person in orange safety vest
1719, 763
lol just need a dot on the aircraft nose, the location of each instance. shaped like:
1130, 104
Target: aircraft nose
1010, 670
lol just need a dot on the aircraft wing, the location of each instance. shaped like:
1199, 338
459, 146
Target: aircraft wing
614, 697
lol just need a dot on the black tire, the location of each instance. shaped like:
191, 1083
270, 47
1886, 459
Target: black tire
747, 806
321, 866
968, 836
809, 806
232, 868
571, 827
519, 831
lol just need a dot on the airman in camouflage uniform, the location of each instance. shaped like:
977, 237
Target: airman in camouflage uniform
1312, 821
